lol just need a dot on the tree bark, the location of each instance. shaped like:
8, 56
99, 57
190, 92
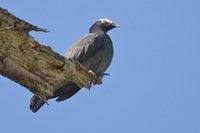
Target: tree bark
35, 66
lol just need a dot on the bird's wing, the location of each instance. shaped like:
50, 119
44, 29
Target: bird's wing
84, 48
66, 91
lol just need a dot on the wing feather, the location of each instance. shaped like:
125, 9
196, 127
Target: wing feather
84, 48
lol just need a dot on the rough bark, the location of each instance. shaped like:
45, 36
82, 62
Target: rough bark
35, 66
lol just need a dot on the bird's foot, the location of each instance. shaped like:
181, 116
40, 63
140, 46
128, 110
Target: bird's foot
97, 77
100, 77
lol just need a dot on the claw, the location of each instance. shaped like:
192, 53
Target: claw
91, 72
45, 100
104, 74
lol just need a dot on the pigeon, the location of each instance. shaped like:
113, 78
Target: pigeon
94, 51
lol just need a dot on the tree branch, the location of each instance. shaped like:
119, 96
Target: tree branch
35, 66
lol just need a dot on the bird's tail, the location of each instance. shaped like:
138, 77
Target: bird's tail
36, 103
63, 93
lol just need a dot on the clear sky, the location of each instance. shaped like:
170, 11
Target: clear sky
154, 85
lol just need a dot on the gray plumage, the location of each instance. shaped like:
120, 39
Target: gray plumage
94, 51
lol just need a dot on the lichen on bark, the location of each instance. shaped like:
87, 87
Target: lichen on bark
35, 66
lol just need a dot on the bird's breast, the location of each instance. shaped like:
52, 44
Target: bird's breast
102, 58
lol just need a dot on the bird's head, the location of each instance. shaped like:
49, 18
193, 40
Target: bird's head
103, 25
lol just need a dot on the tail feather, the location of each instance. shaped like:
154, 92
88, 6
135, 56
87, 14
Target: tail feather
36, 103
63, 93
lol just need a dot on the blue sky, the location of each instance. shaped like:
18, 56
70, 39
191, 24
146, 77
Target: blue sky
154, 84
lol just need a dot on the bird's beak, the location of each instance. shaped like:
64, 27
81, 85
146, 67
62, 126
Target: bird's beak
116, 25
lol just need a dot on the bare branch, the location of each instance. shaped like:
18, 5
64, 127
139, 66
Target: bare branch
35, 66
